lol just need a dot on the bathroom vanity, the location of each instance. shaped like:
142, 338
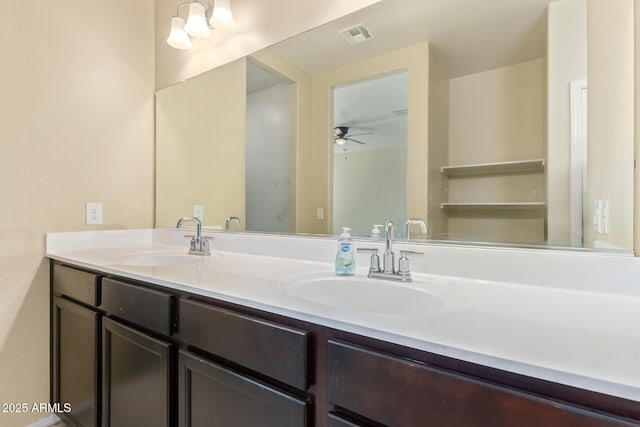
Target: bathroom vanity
144, 334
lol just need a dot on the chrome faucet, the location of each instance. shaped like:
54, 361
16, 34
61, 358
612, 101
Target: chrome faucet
227, 224
416, 221
199, 244
388, 272
388, 258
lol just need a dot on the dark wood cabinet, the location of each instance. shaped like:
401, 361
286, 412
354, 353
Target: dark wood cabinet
269, 348
136, 370
399, 392
211, 394
75, 352
126, 353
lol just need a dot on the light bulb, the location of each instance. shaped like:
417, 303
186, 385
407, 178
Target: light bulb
341, 141
221, 18
178, 38
196, 25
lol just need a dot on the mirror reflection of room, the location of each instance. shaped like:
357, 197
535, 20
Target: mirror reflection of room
369, 154
503, 145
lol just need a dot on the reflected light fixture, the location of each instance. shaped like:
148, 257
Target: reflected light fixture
200, 20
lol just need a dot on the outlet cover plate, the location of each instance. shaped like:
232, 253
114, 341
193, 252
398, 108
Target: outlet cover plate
93, 213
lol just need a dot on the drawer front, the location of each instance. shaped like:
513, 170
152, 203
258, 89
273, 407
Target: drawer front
274, 350
399, 392
145, 307
78, 285
212, 395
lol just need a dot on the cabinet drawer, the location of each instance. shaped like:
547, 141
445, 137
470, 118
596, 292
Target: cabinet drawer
274, 350
400, 392
145, 307
78, 285
210, 394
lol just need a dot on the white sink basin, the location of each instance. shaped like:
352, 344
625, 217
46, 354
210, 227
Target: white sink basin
361, 294
157, 259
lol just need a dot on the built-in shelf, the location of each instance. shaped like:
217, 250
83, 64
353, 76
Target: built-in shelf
495, 168
495, 206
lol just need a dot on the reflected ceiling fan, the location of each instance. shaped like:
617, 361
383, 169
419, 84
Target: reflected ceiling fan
341, 135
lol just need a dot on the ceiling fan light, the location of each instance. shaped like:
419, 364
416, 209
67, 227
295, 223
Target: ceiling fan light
178, 38
341, 141
196, 25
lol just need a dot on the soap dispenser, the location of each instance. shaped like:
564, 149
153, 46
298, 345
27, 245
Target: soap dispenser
345, 263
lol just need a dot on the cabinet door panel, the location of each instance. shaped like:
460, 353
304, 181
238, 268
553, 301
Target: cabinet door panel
212, 395
400, 392
75, 360
136, 378
335, 420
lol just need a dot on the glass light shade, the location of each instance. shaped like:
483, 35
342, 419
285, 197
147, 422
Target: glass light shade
341, 141
196, 25
221, 18
178, 38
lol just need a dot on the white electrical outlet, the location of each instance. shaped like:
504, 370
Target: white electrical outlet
604, 216
93, 213
596, 217
198, 212
320, 213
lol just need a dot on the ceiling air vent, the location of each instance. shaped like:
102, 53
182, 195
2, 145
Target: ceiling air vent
356, 34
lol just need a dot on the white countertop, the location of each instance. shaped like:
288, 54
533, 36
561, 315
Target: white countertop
579, 326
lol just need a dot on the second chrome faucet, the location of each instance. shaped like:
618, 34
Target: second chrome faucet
388, 271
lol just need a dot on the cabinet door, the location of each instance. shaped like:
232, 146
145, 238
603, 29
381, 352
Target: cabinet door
212, 395
75, 360
136, 378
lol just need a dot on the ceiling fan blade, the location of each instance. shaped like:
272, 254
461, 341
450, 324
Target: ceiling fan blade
355, 140
360, 134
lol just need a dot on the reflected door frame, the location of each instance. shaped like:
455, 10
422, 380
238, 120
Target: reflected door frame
578, 181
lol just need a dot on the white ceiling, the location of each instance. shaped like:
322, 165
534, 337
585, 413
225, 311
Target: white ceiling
468, 36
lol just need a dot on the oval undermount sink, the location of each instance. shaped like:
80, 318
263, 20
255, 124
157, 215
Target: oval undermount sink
361, 294
157, 259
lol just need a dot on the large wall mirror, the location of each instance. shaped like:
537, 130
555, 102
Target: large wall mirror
499, 121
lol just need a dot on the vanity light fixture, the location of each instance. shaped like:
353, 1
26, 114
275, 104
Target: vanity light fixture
200, 20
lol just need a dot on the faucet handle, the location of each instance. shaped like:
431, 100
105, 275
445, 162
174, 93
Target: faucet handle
375, 259
403, 262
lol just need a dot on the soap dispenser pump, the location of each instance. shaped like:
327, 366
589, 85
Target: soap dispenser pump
345, 263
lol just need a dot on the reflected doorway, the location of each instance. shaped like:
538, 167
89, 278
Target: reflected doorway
370, 153
268, 150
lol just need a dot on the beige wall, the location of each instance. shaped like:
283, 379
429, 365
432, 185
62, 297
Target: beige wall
438, 146
260, 24
497, 116
200, 150
566, 61
76, 125
611, 117
414, 59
